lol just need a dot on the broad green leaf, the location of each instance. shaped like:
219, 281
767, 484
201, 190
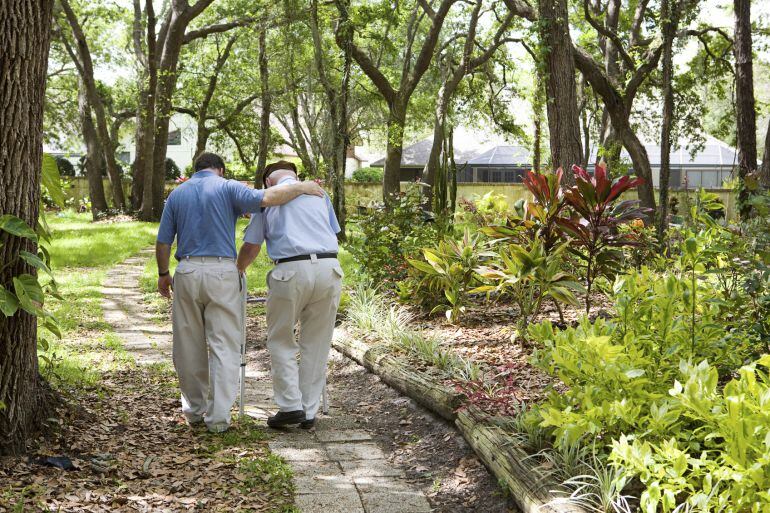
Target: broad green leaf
29, 293
8, 302
51, 180
17, 227
35, 262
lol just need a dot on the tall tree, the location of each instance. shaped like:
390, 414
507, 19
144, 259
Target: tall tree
561, 101
25, 31
669, 18
162, 57
414, 64
94, 157
337, 92
265, 96
84, 63
473, 55
745, 108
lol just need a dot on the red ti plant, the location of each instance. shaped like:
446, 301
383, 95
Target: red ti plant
596, 215
548, 204
535, 219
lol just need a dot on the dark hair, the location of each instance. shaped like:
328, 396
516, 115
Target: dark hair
275, 166
209, 161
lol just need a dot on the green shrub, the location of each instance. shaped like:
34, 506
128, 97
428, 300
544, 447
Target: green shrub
172, 170
445, 275
382, 239
367, 175
528, 275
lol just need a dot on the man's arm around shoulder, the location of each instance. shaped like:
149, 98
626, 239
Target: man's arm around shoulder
275, 196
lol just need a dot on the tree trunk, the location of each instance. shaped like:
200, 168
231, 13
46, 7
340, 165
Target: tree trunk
669, 31
391, 179
202, 138
640, 161
434, 158
166, 84
266, 100
86, 70
93, 160
563, 115
25, 31
744, 100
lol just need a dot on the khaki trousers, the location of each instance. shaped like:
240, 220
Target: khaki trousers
307, 292
207, 322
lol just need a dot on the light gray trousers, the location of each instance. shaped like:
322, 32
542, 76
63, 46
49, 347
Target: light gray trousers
307, 292
207, 318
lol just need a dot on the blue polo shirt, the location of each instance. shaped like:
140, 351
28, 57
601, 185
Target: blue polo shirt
303, 226
201, 213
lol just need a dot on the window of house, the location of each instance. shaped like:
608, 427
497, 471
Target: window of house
175, 138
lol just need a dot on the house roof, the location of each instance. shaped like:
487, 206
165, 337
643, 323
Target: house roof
713, 154
516, 155
417, 155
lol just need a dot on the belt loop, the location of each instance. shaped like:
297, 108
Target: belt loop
313, 258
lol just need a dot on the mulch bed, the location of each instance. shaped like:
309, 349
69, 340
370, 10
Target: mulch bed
129, 449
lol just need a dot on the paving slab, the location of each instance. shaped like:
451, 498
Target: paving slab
341, 502
355, 451
343, 435
323, 483
370, 468
306, 452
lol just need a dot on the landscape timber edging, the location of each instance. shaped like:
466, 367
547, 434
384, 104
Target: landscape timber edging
529, 488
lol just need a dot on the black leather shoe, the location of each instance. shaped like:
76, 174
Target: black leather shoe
307, 423
286, 418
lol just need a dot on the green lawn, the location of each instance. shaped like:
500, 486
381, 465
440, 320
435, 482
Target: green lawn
81, 253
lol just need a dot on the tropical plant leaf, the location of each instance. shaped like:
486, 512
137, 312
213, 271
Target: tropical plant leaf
35, 261
16, 226
29, 293
8, 302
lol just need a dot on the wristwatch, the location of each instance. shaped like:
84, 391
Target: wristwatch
164, 273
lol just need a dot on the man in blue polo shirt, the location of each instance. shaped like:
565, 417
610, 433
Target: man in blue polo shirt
207, 310
305, 287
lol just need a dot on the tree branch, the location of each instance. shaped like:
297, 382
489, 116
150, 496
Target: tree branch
609, 34
215, 29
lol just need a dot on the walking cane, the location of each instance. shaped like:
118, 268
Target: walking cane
243, 345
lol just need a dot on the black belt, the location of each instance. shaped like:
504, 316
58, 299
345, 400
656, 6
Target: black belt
306, 257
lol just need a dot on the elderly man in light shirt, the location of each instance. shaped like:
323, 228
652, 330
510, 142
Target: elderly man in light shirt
208, 291
304, 286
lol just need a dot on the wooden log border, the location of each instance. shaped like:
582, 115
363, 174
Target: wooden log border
529, 488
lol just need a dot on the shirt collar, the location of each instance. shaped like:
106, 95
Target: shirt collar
287, 179
204, 172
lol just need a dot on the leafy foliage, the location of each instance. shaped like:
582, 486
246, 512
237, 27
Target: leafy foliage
385, 238
593, 225
445, 276
367, 175
528, 274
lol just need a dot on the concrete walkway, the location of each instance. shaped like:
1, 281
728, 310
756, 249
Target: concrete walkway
337, 466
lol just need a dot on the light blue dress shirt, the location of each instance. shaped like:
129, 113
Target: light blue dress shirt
201, 213
303, 226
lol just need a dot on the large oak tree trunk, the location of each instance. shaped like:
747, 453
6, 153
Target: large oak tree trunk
563, 115
25, 30
94, 160
744, 99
